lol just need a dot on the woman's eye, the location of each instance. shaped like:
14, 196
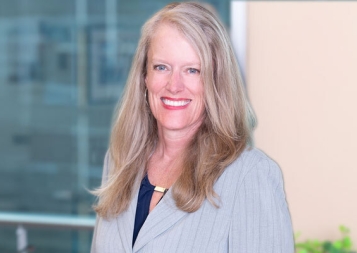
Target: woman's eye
193, 71
159, 67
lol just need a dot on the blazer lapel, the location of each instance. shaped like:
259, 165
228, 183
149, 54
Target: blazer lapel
160, 219
125, 224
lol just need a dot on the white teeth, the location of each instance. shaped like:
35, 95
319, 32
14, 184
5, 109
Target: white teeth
175, 103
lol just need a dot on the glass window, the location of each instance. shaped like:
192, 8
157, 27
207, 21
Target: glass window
63, 65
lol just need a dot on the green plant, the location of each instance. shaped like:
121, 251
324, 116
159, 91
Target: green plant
344, 245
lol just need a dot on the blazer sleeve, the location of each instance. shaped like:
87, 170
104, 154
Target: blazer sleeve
261, 221
98, 219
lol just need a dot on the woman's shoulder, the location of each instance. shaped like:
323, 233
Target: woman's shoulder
253, 164
253, 159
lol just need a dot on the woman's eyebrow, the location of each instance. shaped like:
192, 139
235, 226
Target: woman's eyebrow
165, 61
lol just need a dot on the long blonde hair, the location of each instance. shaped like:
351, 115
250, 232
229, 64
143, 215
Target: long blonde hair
223, 135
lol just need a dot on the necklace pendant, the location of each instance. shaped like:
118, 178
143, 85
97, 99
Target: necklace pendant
160, 189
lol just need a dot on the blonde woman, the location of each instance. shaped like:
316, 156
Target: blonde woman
181, 174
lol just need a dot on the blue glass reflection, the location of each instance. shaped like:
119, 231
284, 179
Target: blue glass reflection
63, 66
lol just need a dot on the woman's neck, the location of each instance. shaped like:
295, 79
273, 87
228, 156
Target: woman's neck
165, 165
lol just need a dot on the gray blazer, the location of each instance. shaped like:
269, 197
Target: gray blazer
252, 217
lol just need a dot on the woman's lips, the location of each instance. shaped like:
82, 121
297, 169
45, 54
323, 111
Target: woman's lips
175, 103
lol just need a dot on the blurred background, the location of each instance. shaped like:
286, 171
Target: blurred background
302, 82
63, 65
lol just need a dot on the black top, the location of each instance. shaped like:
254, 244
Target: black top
143, 206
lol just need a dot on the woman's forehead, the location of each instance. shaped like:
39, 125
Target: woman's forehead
168, 41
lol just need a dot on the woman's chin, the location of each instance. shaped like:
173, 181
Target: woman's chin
180, 127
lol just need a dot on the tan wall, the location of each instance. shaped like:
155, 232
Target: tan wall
302, 81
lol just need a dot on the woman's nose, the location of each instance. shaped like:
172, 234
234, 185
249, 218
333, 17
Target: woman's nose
175, 83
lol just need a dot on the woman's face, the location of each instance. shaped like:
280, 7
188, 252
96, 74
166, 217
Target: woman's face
173, 80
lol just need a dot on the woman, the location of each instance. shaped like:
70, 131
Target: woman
181, 175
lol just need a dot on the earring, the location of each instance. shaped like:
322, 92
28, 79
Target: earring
146, 96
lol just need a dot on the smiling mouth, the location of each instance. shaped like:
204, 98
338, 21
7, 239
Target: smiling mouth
175, 102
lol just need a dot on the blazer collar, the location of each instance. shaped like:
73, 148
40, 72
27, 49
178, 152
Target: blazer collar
159, 220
